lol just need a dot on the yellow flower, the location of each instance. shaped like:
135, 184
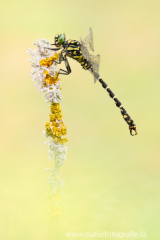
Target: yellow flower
48, 129
51, 80
57, 127
49, 61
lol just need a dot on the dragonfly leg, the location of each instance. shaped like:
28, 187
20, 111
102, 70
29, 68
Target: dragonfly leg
60, 59
55, 49
63, 58
65, 72
67, 67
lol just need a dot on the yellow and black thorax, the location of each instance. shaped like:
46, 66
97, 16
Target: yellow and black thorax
72, 48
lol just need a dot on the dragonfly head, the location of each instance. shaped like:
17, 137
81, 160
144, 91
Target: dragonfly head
59, 39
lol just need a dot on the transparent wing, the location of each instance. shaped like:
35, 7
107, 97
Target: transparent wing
95, 64
88, 41
86, 47
94, 60
85, 50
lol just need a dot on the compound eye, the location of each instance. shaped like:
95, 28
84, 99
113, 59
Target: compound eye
61, 39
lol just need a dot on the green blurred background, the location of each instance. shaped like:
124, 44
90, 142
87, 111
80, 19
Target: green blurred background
112, 179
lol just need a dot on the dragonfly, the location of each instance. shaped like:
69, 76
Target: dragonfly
83, 52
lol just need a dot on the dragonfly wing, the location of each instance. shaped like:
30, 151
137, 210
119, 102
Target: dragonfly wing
88, 41
86, 48
86, 54
95, 65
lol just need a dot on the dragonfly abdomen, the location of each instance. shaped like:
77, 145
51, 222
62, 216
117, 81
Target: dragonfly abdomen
124, 113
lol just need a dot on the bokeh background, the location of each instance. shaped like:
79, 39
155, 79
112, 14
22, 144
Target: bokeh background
112, 179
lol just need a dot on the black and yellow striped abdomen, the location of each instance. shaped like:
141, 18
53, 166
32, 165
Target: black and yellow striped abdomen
124, 113
73, 50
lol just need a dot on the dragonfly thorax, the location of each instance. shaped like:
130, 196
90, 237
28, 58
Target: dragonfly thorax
72, 48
